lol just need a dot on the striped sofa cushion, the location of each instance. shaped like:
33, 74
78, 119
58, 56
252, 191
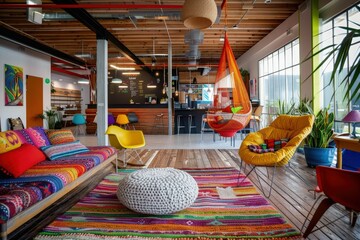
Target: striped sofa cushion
60, 136
54, 152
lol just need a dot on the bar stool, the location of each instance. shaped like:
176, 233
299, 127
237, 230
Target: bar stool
159, 122
190, 122
205, 127
179, 117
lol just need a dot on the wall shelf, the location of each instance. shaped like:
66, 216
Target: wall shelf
68, 101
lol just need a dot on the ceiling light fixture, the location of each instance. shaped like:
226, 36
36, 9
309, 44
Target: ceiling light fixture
190, 89
151, 85
199, 14
84, 81
116, 80
123, 68
131, 73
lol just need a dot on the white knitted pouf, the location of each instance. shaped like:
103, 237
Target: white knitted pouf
157, 190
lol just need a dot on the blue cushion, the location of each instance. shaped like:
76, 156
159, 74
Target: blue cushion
54, 152
351, 160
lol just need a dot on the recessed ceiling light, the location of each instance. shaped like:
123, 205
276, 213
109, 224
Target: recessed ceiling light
123, 68
83, 81
131, 73
116, 80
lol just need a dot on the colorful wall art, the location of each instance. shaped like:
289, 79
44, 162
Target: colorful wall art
14, 85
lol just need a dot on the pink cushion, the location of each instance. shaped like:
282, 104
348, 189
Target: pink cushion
16, 162
38, 136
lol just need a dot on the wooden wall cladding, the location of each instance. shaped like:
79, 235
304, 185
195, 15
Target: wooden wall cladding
147, 119
184, 77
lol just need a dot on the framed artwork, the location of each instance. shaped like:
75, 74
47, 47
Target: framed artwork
14, 86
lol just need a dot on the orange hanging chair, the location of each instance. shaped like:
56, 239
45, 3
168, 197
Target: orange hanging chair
231, 106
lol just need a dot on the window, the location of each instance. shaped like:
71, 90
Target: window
331, 32
279, 77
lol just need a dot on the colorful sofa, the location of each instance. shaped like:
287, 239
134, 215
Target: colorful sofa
38, 168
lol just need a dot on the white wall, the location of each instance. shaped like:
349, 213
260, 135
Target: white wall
34, 64
70, 82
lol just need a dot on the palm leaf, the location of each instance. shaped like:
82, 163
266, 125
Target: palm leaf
340, 53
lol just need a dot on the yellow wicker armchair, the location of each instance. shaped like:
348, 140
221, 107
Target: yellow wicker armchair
293, 128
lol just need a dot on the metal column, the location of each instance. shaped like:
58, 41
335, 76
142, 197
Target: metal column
102, 90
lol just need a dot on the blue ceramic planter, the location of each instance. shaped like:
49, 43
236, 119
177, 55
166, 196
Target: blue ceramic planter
319, 156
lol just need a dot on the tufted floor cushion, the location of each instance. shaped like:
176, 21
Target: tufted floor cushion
157, 191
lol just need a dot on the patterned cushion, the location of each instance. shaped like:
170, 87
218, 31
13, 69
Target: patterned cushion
60, 136
38, 136
9, 140
24, 136
16, 162
54, 152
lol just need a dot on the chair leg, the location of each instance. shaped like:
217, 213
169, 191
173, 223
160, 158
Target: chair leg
353, 218
125, 162
259, 180
252, 169
116, 164
323, 206
139, 158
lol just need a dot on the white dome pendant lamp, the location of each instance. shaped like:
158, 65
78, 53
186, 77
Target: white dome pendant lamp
199, 14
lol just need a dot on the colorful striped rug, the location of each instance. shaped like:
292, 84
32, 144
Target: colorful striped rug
99, 215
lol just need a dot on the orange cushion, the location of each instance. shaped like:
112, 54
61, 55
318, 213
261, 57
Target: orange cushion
16, 162
60, 136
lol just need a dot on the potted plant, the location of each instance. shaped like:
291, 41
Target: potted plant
51, 117
317, 149
340, 52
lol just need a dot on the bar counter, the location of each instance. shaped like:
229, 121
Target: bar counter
146, 113
196, 119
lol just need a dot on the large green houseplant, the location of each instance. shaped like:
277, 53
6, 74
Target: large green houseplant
317, 149
339, 53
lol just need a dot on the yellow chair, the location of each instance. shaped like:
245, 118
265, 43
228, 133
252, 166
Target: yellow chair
122, 120
125, 139
293, 128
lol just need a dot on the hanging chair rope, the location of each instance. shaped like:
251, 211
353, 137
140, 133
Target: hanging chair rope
232, 106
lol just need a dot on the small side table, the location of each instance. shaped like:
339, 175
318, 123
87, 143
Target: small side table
347, 143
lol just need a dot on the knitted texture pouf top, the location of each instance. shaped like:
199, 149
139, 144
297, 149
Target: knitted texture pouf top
157, 190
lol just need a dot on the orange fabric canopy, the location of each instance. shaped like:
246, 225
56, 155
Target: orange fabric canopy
235, 93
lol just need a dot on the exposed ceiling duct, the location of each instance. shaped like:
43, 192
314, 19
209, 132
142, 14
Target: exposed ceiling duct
205, 71
193, 53
194, 37
161, 15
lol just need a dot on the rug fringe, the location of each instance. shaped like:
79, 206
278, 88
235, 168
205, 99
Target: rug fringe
86, 236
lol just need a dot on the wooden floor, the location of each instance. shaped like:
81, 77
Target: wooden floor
290, 194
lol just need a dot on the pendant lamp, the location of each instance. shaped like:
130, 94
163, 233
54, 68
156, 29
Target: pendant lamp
190, 89
199, 14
